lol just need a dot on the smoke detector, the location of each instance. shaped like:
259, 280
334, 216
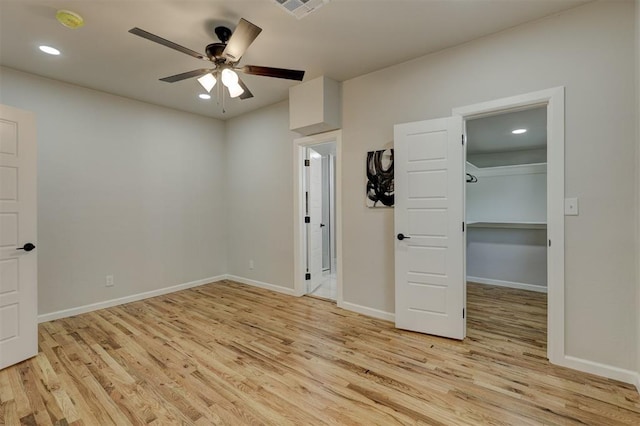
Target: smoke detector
301, 8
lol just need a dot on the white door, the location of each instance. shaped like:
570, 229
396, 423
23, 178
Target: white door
326, 214
429, 214
18, 267
315, 214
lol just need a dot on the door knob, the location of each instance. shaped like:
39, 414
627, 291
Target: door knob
27, 247
403, 237
322, 225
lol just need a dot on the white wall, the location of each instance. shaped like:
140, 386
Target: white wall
260, 200
507, 194
509, 257
637, 3
590, 50
512, 257
124, 188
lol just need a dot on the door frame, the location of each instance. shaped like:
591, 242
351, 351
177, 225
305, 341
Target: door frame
299, 247
554, 100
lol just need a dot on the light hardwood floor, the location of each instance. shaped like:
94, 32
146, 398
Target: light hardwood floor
226, 353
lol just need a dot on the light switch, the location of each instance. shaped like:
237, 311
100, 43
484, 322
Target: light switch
571, 207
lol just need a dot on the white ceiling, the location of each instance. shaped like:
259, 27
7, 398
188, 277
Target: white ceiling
494, 133
342, 40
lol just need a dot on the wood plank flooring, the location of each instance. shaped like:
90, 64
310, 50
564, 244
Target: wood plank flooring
226, 353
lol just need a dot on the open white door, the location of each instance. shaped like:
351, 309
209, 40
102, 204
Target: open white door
315, 215
429, 214
18, 264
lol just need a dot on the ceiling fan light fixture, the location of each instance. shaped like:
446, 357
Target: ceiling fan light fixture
207, 81
229, 78
235, 90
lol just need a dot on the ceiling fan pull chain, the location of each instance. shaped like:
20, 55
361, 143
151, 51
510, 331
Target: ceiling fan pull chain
222, 96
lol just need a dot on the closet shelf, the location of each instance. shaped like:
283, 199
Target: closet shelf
509, 225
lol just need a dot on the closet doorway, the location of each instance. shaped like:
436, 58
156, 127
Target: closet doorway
320, 194
506, 217
529, 174
317, 232
430, 223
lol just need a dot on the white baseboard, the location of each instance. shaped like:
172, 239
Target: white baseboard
127, 299
521, 286
260, 284
603, 370
637, 382
370, 312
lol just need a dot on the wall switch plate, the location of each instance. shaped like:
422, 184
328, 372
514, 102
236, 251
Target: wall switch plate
571, 207
109, 281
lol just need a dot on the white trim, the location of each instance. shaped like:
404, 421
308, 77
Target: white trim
603, 370
260, 284
298, 210
510, 284
370, 312
637, 198
127, 299
554, 100
507, 225
520, 169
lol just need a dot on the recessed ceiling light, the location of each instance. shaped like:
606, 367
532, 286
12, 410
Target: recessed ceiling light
49, 50
204, 96
519, 131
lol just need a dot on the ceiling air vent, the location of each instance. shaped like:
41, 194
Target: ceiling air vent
301, 8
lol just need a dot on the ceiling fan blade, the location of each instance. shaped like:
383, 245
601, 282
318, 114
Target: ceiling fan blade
273, 72
242, 37
247, 93
157, 39
188, 74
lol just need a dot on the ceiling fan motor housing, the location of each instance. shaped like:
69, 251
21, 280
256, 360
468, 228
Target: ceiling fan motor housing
214, 51
223, 33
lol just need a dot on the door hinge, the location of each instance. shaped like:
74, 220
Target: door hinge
549, 243
307, 219
462, 312
307, 163
462, 139
307, 276
462, 226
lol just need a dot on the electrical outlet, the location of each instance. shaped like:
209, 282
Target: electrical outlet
109, 281
251, 264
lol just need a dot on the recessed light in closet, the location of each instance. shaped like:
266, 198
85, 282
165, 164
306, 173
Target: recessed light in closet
204, 96
519, 131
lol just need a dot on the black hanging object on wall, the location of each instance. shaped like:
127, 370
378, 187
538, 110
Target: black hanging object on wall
471, 178
380, 178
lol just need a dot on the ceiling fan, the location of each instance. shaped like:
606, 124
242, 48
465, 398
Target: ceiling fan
224, 57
